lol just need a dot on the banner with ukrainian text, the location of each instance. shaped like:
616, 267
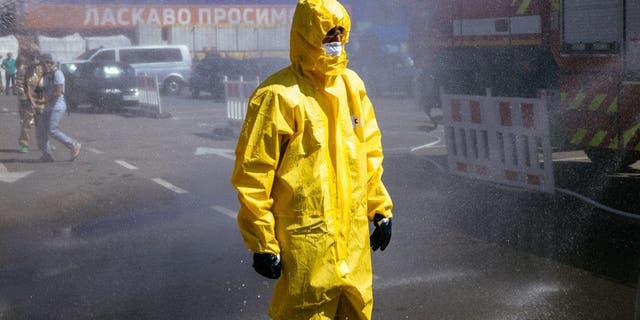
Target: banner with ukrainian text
104, 16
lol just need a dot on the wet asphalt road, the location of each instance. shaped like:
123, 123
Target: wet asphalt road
142, 226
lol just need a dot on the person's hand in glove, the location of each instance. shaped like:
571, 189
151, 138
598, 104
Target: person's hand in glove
267, 264
382, 234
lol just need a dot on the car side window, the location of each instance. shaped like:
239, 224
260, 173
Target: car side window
168, 55
150, 55
105, 56
131, 56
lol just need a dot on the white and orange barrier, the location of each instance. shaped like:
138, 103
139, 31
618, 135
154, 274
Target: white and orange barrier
237, 93
501, 139
149, 94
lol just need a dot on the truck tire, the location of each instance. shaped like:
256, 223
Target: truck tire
610, 160
172, 86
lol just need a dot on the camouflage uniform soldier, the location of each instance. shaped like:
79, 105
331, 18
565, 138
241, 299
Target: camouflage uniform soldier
28, 80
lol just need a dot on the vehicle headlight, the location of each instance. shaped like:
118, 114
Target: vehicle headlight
111, 70
112, 90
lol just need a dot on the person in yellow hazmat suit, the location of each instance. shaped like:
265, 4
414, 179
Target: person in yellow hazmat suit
308, 174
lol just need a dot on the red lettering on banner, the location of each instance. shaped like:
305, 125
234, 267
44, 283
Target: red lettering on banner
69, 16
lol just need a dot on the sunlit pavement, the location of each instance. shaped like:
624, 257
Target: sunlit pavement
141, 226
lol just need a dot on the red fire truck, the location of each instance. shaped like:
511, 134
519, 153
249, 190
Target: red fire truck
587, 51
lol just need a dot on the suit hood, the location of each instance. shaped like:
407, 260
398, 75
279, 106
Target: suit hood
311, 22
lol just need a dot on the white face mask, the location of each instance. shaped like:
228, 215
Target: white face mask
332, 49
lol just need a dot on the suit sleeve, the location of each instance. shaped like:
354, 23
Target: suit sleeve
378, 199
257, 156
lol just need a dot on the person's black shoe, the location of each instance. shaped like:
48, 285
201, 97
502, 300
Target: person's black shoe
46, 159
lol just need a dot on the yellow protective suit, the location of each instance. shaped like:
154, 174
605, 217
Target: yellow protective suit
308, 173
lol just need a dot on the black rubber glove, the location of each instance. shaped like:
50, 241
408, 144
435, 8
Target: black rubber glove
267, 264
382, 234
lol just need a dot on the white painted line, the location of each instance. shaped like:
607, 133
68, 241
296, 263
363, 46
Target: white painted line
224, 153
227, 212
424, 146
169, 185
96, 151
432, 277
126, 165
54, 270
11, 177
571, 159
428, 145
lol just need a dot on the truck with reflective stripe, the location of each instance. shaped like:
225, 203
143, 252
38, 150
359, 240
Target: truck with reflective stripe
583, 54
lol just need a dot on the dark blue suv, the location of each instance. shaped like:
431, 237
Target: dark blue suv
103, 85
208, 74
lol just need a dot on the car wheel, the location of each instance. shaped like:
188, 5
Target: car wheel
217, 92
97, 108
73, 106
98, 105
172, 86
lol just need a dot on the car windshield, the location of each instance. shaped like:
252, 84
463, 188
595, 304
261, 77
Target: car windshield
87, 54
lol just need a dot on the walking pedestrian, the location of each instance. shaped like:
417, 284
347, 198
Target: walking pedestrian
25, 110
54, 110
28, 78
9, 66
308, 173
1, 85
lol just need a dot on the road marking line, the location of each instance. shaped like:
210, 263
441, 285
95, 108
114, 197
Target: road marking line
428, 145
432, 277
169, 185
571, 159
126, 165
96, 151
227, 212
225, 153
11, 177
